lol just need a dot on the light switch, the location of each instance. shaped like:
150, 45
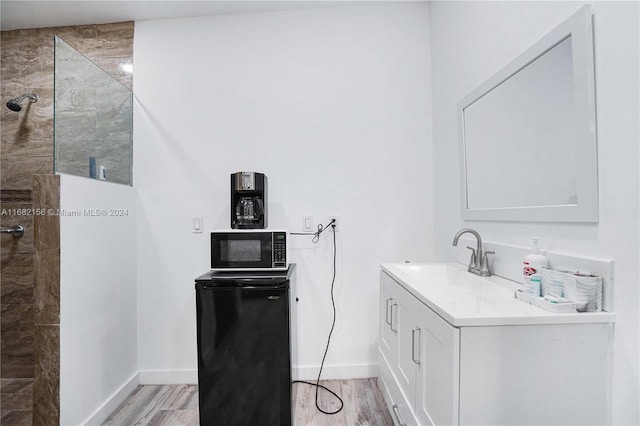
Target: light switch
307, 223
196, 227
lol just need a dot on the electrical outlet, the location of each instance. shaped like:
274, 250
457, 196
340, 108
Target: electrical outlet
334, 217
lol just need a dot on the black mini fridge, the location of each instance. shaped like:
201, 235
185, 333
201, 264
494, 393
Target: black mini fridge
245, 347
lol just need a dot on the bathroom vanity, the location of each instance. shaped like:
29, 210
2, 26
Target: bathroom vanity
455, 348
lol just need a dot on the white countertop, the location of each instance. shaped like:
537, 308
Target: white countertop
465, 299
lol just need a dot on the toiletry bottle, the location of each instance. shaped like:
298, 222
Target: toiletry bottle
532, 285
532, 267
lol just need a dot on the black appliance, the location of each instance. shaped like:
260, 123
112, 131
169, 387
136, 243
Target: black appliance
249, 250
248, 200
245, 347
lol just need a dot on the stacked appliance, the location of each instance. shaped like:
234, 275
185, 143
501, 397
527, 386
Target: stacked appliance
244, 307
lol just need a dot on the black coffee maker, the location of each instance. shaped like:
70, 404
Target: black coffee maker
248, 200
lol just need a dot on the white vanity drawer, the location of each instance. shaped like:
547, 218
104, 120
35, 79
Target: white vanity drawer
396, 401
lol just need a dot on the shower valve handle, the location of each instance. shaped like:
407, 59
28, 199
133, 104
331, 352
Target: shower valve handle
15, 231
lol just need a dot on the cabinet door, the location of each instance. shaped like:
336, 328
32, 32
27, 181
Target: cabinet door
397, 322
437, 346
388, 337
406, 364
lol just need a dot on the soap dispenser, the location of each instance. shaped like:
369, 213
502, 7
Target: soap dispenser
532, 267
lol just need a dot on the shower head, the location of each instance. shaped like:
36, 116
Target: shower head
15, 104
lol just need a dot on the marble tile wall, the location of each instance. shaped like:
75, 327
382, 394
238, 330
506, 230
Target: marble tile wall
17, 401
46, 274
16, 309
16, 287
30, 268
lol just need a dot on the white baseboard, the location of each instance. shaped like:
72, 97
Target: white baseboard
335, 372
169, 377
118, 397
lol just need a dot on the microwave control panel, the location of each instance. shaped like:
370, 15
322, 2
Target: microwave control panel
279, 249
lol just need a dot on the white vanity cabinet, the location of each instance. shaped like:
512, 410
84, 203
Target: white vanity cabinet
468, 353
418, 357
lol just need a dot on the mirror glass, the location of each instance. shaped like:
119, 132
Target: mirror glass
528, 134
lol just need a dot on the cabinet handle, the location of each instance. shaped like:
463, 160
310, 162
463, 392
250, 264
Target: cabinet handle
415, 358
395, 330
397, 414
386, 312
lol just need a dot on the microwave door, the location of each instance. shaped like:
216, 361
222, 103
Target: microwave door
241, 251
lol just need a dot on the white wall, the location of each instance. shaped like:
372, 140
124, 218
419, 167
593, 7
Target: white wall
98, 333
333, 105
473, 40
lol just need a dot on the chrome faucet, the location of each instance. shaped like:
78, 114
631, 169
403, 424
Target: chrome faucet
479, 264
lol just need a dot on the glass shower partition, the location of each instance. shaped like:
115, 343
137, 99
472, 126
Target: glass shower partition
92, 119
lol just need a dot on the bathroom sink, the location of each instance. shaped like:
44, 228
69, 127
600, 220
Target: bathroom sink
449, 280
462, 298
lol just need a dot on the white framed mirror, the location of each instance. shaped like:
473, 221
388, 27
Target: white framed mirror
528, 134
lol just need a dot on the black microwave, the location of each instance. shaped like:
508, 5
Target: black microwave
249, 250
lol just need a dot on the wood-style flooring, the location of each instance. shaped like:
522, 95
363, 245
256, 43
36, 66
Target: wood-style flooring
176, 405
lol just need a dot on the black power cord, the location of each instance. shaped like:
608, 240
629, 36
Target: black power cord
333, 323
316, 235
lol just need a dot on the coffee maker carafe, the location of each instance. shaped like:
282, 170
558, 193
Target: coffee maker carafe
248, 200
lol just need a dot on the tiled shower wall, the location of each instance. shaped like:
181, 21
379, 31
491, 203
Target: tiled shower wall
29, 318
